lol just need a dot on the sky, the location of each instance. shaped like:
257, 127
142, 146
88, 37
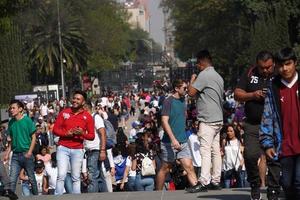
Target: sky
156, 21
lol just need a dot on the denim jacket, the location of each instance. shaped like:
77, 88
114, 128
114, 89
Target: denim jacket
270, 132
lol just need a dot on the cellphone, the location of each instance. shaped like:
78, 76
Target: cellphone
264, 90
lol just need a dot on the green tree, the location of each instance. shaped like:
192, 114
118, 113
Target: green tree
42, 39
234, 30
106, 32
13, 71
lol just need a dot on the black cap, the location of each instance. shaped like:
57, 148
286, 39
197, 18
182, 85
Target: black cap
39, 164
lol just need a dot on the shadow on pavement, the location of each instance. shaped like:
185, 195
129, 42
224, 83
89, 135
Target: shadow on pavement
226, 196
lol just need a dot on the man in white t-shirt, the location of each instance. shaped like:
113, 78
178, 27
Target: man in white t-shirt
96, 152
44, 110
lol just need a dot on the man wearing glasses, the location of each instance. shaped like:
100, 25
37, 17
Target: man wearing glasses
174, 144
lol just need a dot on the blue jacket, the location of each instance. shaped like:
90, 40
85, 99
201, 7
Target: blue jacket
270, 132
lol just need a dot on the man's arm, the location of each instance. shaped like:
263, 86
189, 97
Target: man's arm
243, 96
168, 130
58, 130
102, 135
33, 141
267, 129
90, 133
191, 90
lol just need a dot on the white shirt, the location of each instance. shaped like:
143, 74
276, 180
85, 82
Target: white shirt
155, 103
52, 175
39, 182
44, 110
129, 164
232, 155
132, 133
95, 144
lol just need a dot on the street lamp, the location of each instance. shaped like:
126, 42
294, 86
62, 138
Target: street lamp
60, 53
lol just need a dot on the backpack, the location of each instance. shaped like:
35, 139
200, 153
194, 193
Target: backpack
111, 135
147, 166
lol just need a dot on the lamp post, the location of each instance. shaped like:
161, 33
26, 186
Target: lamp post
60, 53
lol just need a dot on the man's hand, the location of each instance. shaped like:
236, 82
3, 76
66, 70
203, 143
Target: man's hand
193, 78
102, 155
112, 171
6, 157
122, 186
271, 153
259, 95
28, 155
77, 131
175, 144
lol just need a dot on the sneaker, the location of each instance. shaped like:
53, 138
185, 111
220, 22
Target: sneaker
10, 194
255, 193
215, 186
272, 195
197, 188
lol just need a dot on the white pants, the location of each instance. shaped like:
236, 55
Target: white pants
209, 137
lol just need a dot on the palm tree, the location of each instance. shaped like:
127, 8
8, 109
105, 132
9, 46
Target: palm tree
42, 46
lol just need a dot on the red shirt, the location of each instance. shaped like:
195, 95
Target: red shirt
66, 120
289, 101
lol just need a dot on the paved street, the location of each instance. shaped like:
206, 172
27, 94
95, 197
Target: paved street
225, 194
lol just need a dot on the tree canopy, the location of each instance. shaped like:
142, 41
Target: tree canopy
234, 30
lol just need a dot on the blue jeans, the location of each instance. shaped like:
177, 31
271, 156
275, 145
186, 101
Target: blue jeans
239, 176
26, 188
242, 182
290, 178
228, 177
68, 184
144, 183
64, 157
95, 172
131, 183
18, 161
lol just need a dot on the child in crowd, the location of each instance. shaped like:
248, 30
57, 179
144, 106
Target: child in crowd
40, 177
51, 174
233, 161
194, 143
143, 150
44, 155
129, 174
120, 157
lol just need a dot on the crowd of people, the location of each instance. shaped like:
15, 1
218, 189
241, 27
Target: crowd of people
197, 137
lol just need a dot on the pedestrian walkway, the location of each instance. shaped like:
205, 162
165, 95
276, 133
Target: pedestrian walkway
225, 194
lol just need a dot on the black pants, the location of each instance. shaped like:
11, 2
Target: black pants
252, 153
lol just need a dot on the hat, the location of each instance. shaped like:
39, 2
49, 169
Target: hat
135, 124
39, 164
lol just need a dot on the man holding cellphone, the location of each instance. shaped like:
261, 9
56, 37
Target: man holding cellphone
73, 126
251, 89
